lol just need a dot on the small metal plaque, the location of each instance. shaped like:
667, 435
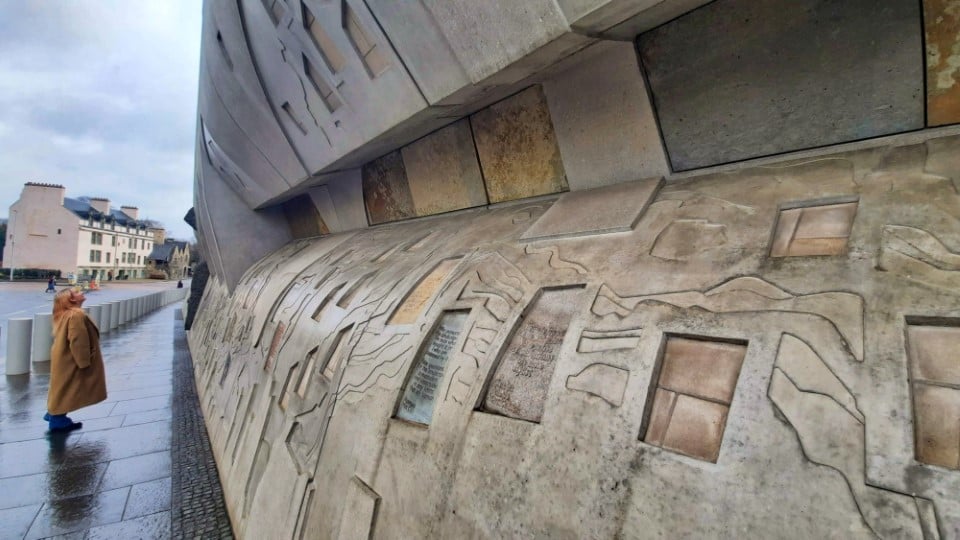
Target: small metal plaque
421, 390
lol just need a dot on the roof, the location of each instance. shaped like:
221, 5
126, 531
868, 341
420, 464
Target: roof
83, 209
164, 252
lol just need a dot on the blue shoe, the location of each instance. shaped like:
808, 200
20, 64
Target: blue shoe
46, 417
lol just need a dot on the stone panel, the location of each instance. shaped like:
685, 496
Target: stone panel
738, 79
414, 304
518, 150
813, 230
941, 21
519, 385
443, 172
386, 192
938, 425
701, 368
934, 353
608, 209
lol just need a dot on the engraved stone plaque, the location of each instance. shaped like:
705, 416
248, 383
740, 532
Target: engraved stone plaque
421, 390
417, 300
519, 386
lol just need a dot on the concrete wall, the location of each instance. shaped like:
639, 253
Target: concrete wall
764, 351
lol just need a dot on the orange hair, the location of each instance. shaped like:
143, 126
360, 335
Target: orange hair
62, 305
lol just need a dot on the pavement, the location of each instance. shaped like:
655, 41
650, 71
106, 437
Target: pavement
140, 467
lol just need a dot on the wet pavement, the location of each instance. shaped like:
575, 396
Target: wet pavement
113, 477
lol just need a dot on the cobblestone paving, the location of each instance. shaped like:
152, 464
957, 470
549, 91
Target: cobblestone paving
197, 506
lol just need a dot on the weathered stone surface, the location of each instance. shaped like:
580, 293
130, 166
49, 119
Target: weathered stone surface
705, 369
813, 230
518, 150
684, 239
941, 24
520, 383
934, 353
417, 300
818, 439
603, 210
765, 92
443, 172
386, 193
360, 513
938, 425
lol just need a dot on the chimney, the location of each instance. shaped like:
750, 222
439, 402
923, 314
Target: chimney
131, 211
159, 236
50, 193
100, 204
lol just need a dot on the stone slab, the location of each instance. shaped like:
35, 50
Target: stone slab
766, 87
386, 193
603, 210
443, 172
941, 24
518, 150
938, 425
934, 353
414, 304
704, 369
519, 385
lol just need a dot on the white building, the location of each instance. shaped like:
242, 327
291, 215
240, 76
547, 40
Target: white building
83, 236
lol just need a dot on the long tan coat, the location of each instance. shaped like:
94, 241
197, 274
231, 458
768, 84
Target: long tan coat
77, 378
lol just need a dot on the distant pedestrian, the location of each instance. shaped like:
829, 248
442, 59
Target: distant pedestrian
180, 284
77, 377
51, 285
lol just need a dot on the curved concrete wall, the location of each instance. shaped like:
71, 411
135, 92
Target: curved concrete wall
767, 353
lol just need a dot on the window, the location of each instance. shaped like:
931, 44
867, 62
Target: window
96, 238
330, 100
123, 257
95, 255
58, 231
373, 56
113, 240
691, 396
138, 259
91, 255
108, 256
332, 56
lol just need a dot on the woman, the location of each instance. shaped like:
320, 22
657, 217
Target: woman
76, 365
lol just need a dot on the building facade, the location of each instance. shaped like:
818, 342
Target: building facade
581, 268
170, 258
84, 237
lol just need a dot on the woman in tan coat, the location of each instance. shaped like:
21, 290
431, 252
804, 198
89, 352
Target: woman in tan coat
77, 378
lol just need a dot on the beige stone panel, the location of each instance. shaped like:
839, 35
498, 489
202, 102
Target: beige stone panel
830, 221
518, 150
808, 371
417, 300
663, 403
601, 380
705, 369
443, 172
359, 512
696, 428
937, 417
786, 227
941, 23
808, 247
935, 353
607, 209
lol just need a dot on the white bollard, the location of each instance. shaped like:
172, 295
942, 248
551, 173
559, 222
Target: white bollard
18, 345
96, 312
124, 311
42, 338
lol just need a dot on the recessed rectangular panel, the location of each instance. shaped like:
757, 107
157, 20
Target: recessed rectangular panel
941, 23
519, 386
739, 79
420, 392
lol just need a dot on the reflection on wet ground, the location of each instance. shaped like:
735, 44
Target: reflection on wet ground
110, 479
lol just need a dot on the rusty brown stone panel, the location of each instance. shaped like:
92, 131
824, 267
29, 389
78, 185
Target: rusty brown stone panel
386, 193
942, 28
518, 149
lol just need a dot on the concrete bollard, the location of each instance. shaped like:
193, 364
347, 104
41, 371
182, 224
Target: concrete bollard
18, 345
104, 324
124, 311
114, 315
42, 337
140, 304
96, 311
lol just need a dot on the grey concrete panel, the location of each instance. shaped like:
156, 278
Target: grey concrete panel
233, 76
610, 140
599, 17
235, 235
739, 79
346, 192
419, 41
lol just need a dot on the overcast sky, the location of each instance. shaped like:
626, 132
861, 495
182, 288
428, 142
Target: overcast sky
101, 97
